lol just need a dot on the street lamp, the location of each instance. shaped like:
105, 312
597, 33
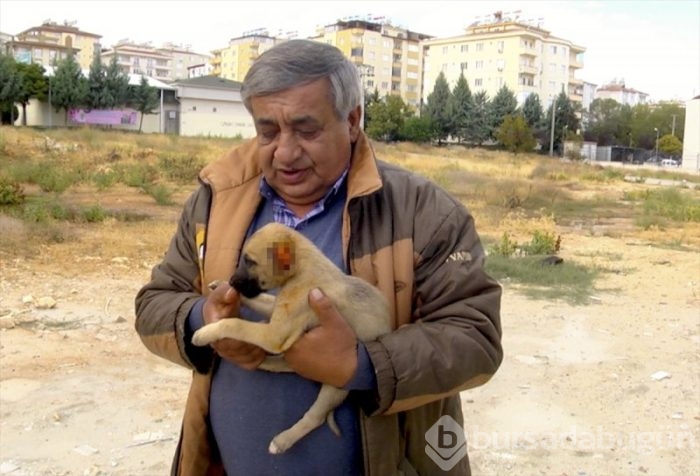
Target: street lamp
656, 147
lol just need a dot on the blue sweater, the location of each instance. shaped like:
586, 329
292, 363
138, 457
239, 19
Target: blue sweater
248, 408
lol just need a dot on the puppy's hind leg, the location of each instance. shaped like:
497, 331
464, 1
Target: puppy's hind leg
322, 410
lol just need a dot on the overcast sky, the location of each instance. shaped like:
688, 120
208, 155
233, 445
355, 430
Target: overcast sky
653, 45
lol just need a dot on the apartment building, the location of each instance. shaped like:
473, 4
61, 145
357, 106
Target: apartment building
388, 57
234, 61
51, 41
502, 49
166, 63
619, 92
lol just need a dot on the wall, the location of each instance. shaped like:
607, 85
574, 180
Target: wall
691, 135
207, 117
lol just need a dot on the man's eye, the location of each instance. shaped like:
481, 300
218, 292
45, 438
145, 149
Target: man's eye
308, 134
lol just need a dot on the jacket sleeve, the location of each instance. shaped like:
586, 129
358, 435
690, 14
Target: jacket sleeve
454, 340
163, 304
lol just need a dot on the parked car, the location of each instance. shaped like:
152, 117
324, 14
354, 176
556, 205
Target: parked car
670, 163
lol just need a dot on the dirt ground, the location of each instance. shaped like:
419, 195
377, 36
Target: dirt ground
603, 389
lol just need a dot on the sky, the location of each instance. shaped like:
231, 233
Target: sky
654, 46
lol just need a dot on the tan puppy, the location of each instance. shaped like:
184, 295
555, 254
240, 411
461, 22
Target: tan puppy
278, 257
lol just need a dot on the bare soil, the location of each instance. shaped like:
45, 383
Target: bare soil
80, 395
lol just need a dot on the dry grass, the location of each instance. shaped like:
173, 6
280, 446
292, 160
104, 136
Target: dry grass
518, 194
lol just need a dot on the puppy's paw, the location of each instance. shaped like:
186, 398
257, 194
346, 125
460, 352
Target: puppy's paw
203, 336
279, 444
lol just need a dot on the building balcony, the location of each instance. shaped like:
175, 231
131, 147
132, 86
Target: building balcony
528, 69
575, 81
575, 63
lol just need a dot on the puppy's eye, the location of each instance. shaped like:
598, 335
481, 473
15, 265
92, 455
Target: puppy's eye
249, 261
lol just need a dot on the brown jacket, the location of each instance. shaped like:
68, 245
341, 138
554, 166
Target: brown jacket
401, 233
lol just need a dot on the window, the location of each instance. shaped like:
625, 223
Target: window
385, 85
385, 58
478, 82
371, 55
479, 47
395, 86
501, 46
463, 66
356, 52
553, 67
412, 61
194, 108
411, 88
444, 67
464, 49
563, 69
444, 50
479, 64
553, 49
412, 75
412, 47
370, 83
213, 109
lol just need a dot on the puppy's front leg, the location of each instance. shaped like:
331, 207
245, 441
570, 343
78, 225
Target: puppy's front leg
275, 339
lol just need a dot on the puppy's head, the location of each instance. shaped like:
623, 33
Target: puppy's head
269, 260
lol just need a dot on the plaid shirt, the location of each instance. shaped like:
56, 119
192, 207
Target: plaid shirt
282, 213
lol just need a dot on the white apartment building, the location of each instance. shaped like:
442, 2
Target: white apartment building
619, 92
503, 50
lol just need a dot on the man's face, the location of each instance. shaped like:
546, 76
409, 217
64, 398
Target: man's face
304, 147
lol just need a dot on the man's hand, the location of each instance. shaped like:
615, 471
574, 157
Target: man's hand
327, 353
224, 302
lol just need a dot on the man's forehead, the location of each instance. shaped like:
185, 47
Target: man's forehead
293, 120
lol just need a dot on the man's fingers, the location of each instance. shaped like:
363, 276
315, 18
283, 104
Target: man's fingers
322, 306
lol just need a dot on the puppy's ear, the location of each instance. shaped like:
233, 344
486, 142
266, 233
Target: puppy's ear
282, 256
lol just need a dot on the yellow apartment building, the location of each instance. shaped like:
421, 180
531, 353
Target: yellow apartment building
503, 50
233, 61
51, 41
388, 57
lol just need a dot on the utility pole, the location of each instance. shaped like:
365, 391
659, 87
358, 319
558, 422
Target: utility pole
551, 135
673, 127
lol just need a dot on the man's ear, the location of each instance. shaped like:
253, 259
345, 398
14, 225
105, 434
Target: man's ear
282, 256
354, 118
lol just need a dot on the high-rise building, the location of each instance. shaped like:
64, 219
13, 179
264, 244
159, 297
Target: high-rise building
167, 63
388, 57
502, 49
234, 61
51, 41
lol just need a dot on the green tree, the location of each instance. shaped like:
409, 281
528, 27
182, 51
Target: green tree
69, 87
387, 118
515, 134
417, 129
670, 145
461, 108
565, 120
502, 105
481, 121
532, 111
436, 108
117, 84
144, 99
11, 87
97, 93
35, 84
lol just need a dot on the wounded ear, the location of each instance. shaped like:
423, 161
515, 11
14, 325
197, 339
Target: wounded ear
282, 254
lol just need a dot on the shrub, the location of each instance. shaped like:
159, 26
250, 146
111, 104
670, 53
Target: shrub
11, 193
180, 168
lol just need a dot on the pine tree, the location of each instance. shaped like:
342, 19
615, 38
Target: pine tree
437, 108
11, 80
97, 94
481, 122
117, 84
69, 87
532, 111
461, 108
565, 120
503, 104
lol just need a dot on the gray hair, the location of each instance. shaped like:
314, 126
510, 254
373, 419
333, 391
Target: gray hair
297, 62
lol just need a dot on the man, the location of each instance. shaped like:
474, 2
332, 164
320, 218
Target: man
312, 168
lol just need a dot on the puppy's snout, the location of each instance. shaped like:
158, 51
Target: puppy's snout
244, 283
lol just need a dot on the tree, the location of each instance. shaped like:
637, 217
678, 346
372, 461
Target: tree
416, 129
11, 80
387, 118
145, 99
532, 111
97, 92
515, 134
481, 121
461, 108
34, 85
436, 108
69, 87
370, 99
565, 120
117, 84
670, 145
502, 105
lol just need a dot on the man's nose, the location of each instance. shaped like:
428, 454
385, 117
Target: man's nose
288, 148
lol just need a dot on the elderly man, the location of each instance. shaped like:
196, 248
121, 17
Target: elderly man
311, 168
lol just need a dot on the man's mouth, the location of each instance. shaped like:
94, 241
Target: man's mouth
292, 176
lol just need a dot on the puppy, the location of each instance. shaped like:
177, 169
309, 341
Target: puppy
278, 257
